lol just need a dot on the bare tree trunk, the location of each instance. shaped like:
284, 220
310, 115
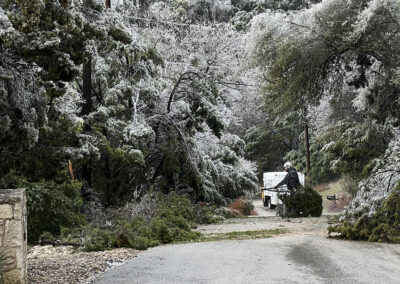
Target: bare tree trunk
108, 176
86, 109
307, 149
87, 87
108, 4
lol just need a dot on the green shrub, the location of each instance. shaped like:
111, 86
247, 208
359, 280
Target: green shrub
204, 214
303, 203
176, 205
11, 180
126, 232
52, 206
142, 243
172, 223
96, 239
47, 238
383, 226
72, 235
175, 219
161, 231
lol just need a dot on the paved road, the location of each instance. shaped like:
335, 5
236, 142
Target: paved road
261, 210
282, 259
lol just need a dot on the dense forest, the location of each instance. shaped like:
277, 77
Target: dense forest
167, 108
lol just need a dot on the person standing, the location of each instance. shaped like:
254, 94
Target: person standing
291, 179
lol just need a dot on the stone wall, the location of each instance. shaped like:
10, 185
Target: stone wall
13, 236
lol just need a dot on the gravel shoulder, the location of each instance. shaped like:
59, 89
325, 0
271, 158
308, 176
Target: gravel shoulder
61, 265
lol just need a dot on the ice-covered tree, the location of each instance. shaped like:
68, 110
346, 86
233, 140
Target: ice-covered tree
199, 80
343, 52
42, 46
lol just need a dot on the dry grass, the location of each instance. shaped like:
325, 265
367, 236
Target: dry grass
243, 235
338, 205
242, 207
332, 188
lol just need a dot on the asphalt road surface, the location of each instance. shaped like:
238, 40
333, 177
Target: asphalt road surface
292, 258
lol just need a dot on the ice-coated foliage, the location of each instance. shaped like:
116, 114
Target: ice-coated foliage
328, 52
96, 89
373, 213
223, 170
22, 106
346, 148
41, 47
356, 147
321, 170
330, 44
164, 96
382, 226
336, 65
375, 189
